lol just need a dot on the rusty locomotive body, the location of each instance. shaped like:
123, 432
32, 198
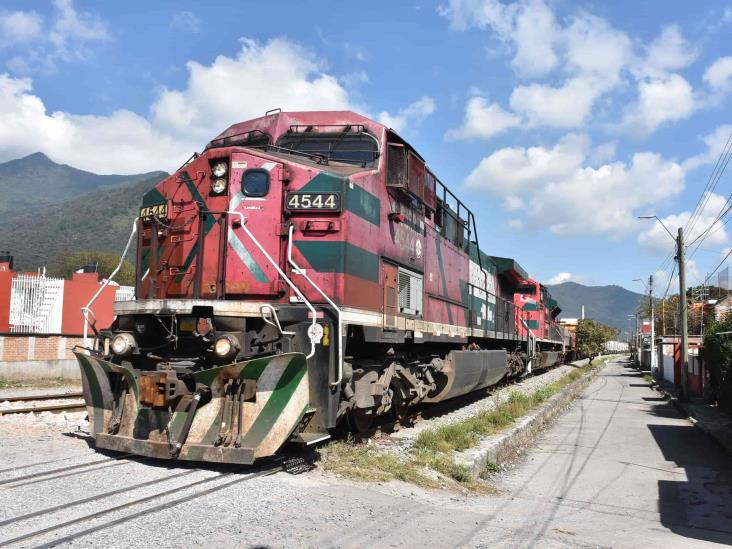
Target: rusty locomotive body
305, 269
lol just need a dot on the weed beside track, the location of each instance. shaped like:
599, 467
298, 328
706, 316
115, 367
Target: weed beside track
430, 463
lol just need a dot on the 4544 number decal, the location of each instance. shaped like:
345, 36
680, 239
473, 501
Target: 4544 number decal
330, 202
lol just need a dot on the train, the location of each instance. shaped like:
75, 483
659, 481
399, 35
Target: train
307, 271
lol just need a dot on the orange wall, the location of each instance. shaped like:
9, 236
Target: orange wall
6, 281
77, 293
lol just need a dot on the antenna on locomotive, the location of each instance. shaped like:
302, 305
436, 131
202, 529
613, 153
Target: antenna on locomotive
273, 111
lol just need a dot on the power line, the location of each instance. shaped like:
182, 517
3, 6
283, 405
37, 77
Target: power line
670, 278
717, 173
709, 187
710, 275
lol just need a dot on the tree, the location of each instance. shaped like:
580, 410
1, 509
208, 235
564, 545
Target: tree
718, 359
66, 263
592, 335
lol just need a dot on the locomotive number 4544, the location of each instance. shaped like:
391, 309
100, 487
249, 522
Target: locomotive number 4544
314, 201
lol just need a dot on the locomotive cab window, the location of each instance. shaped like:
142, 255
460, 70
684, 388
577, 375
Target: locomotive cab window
255, 182
352, 148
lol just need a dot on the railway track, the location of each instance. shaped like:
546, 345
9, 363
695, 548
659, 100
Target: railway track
75, 403
211, 484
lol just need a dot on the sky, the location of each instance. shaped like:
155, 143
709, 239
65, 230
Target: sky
558, 123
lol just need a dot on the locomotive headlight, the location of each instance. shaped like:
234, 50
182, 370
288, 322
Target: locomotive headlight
219, 169
226, 345
122, 344
218, 186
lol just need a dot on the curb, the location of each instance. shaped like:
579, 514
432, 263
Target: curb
508, 444
722, 436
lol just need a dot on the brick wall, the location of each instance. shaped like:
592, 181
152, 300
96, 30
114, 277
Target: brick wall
18, 348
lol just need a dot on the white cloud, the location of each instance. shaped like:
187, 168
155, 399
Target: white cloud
514, 170
560, 278
716, 142
593, 59
528, 27
413, 113
535, 35
656, 237
72, 29
667, 53
483, 121
65, 39
603, 152
660, 101
595, 48
19, 27
571, 198
565, 107
513, 203
515, 224
186, 21
261, 76
719, 74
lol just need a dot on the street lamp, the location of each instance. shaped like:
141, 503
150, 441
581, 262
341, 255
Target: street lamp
682, 303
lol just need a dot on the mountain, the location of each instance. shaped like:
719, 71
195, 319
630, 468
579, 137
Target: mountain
610, 305
67, 210
35, 181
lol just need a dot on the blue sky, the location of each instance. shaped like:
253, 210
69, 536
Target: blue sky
557, 122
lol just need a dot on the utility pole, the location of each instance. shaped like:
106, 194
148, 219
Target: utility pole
683, 314
653, 324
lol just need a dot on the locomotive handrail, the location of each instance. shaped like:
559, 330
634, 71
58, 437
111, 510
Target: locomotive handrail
289, 282
298, 270
532, 345
85, 311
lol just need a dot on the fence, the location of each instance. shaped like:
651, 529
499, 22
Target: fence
125, 293
36, 304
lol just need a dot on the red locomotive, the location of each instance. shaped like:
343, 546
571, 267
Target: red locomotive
307, 268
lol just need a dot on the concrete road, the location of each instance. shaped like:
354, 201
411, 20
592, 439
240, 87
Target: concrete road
621, 468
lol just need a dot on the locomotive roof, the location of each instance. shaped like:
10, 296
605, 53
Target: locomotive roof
280, 122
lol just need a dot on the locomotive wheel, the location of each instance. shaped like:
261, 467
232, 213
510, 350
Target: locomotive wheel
361, 419
399, 403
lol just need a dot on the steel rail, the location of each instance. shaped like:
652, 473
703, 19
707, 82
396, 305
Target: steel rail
45, 396
62, 469
144, 512
49, 408
36, 481
91, 498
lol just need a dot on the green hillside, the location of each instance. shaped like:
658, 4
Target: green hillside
35, 181
97, 215
610, 305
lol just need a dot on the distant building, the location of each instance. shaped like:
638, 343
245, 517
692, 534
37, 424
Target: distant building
40, 316
569, 323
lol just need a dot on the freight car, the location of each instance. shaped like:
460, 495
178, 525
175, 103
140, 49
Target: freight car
307, 269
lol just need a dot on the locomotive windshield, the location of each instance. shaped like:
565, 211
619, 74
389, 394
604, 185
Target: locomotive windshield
353, 148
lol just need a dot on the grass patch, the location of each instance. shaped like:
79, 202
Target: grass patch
359, 462
45, 383
649, 379
465, 434
434, 448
